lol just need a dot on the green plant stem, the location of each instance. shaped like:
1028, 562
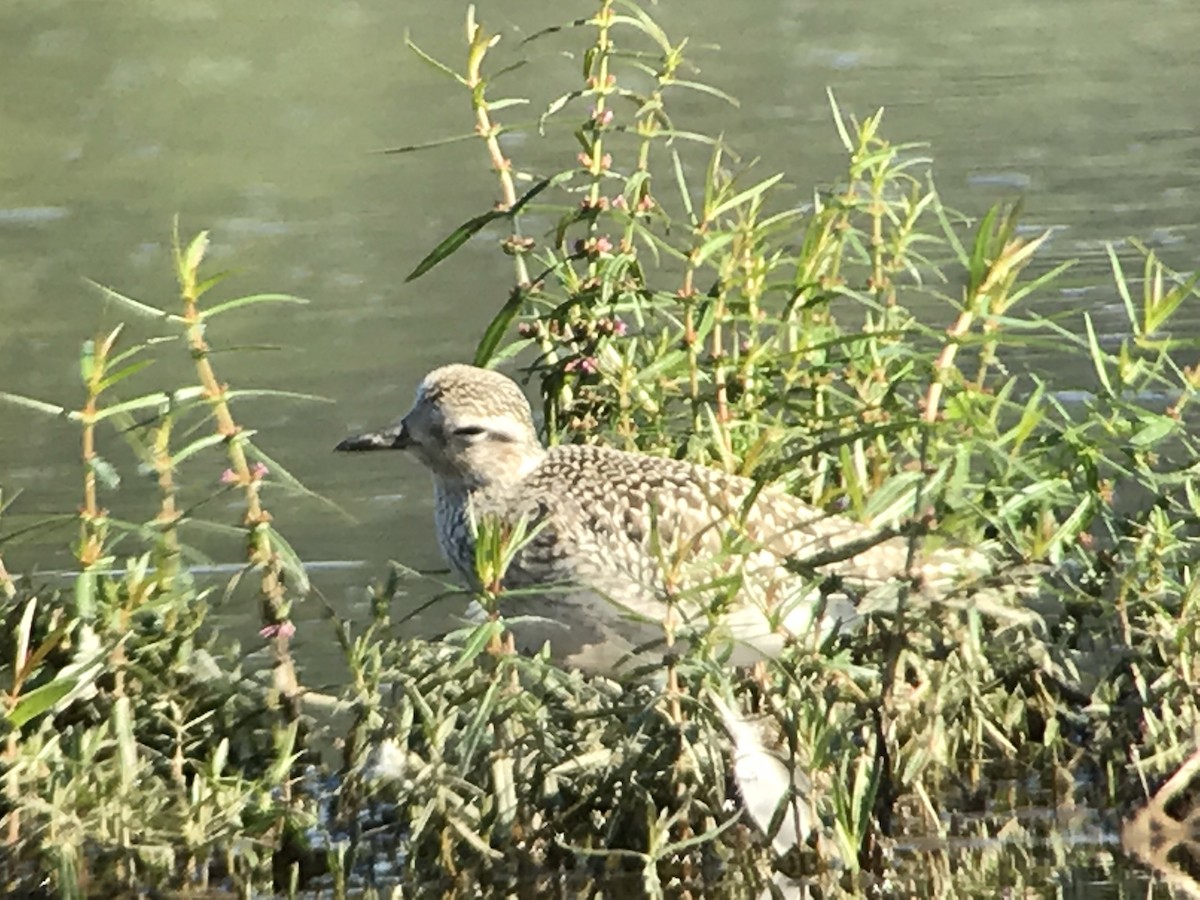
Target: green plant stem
274, 606
600, 83
478, 45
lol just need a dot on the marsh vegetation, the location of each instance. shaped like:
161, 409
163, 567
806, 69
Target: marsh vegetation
858, 342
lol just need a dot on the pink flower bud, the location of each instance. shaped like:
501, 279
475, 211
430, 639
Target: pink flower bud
284, 629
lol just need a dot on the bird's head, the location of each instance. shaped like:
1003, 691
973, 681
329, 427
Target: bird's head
468, 425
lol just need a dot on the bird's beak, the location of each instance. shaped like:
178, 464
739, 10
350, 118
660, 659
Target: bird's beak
394, 437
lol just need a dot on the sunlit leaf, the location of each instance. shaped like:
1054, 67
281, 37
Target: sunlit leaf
120, 375
194, 255
1153, 429
106, 472
251, 300
158, 401
30, 403
425, 57
137, 306
38, 701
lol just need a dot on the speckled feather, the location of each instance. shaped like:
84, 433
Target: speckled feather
616, 534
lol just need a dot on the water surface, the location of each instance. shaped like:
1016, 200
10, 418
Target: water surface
258, 121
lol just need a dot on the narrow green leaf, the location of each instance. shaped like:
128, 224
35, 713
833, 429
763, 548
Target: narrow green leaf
239, 348
496, 105
478, 639
207, 284
250, 300
38, 701
555, 106
456, 239
194, 254
553, 29
669, 134
1038, 283
1122, 286
1160, 313
137, 306
1072, 526
427, 145
441, 67
292, 564
1153, 429
49, 644
145, 402
838, 122
30, 403
982, 253
282, 478
511, 67
1031, 416
749, 194
951, 235
704, 89
681, 182
141, 348
1099, 357
122, 374
219, 758
498, 327
710, 178
209, 440
469, 229
482, 847
247, 393
24, 629
712, 245
646, 24
50, 523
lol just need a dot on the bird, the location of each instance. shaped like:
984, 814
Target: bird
616, 554
623, 551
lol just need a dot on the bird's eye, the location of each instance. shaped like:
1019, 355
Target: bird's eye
469, 431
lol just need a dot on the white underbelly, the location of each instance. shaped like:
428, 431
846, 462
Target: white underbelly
589, 631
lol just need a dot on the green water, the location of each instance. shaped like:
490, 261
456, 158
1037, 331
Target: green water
258, 121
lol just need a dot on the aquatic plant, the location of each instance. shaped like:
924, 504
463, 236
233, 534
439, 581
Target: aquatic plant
137, 751
709, 316
865, 347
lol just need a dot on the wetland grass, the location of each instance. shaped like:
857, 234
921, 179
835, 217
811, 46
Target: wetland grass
861, 344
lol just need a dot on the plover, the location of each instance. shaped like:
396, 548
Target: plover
622, 545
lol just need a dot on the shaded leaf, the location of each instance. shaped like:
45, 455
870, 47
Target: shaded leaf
471, 227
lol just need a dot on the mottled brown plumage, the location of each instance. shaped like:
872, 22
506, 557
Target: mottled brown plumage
621, 538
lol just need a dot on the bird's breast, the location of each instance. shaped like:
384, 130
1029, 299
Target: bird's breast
455, 539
